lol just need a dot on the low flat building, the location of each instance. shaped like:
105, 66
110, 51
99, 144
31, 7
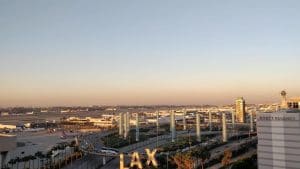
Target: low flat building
279, 140
2, 126
103, 122
87, 122
4, 114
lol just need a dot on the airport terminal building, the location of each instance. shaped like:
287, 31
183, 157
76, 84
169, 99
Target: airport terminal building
279, 140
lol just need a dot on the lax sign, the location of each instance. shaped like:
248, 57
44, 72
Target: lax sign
136, 160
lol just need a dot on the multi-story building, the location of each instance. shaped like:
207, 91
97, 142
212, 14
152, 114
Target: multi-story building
240, 109
279, 139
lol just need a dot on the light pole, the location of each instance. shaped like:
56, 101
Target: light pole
137, 130
157, 127
190, 143
172, 126
184, 120
224, 129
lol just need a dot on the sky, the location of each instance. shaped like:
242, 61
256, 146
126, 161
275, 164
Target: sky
138, 52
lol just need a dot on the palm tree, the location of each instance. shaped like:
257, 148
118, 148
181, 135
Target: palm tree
24, 163
31, 158
227, 158
42, 163
42, 158
12, 162
18, 160
25, 160
38, 155
183, 161
201, 153
48, 159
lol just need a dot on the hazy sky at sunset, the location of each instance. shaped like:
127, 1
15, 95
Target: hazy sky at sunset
69, 52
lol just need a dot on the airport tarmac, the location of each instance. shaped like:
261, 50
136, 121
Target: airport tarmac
36, 141
42, 117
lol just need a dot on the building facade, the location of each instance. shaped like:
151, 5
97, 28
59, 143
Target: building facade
240, 110
87, 122
7, 143
293, 103
279, 140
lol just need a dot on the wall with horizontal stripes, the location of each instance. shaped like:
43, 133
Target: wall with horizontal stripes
278, 140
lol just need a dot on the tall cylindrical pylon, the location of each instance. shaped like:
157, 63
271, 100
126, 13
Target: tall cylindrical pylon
127, 122
183, 119
233, 119
198, 127
251, 122
157, 119
210, 120
172, 126
125, 125
137, 129
224, 129
121, 125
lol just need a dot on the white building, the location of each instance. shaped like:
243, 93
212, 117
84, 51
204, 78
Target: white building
279, 140
99, 122
3, 126
103, 122
4, 114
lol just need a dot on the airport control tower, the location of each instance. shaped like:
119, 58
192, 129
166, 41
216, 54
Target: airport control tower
283, 100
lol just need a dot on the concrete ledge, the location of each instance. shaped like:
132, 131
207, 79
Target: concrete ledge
7, 142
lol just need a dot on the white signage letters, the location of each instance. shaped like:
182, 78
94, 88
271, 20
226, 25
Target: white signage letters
136, 161
151, 157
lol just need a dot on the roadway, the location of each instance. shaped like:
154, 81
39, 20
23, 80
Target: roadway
231, 145
90, 160
151, 144
234, 145
95, 160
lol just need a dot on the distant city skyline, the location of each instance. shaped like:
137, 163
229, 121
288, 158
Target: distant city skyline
69, 53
